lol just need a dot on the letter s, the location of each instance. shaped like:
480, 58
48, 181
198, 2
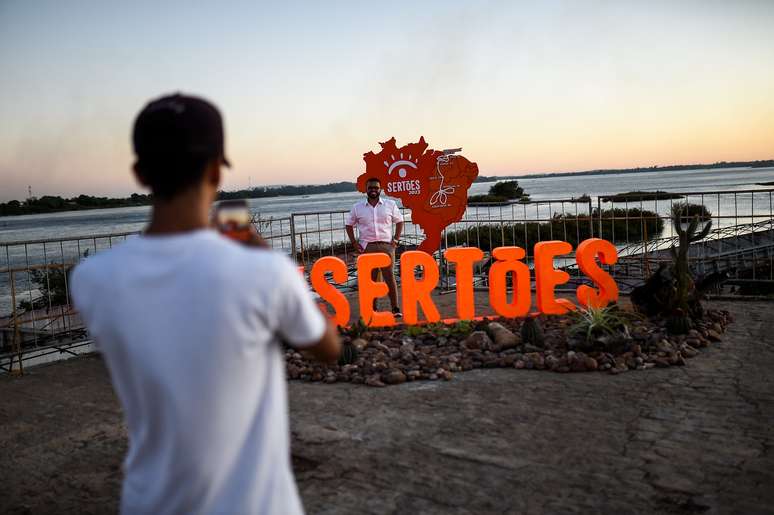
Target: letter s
327, 291
608, 289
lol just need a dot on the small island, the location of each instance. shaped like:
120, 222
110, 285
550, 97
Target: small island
634, 196
501, 193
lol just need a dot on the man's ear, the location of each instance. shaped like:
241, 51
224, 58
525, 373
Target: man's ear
138, 175
213, 173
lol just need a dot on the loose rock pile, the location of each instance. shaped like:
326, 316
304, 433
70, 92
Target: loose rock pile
391, 356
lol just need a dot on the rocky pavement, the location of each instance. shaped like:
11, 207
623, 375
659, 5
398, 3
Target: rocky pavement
693, 439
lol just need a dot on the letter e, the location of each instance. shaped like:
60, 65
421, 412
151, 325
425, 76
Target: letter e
368, 289
547, 277
418, 291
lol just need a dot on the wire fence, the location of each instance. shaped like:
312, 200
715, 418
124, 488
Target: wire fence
37, 319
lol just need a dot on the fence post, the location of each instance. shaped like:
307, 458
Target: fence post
591, 220
293, 236
599, 213
16, 346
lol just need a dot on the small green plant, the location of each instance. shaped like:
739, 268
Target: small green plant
357, 329
462, 327
592, 322
438, 329
415, 330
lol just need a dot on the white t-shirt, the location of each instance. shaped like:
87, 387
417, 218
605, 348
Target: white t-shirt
187, 325
374, 223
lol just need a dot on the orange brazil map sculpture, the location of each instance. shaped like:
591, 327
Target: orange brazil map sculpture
432, 183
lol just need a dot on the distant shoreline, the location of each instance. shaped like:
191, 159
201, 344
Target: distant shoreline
54, 204
723, 165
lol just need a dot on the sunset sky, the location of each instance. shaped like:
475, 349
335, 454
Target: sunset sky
307, 87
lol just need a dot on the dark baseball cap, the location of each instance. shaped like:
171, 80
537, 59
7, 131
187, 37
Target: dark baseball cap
176, 127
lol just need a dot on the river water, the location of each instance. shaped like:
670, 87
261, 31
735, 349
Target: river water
733, 208
104, 221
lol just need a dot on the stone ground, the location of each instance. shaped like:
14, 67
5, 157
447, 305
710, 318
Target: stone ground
695, 439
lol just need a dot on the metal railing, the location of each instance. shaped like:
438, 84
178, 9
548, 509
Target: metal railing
739, 246
37, 318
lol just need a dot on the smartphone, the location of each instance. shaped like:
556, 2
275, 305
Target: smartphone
232, 219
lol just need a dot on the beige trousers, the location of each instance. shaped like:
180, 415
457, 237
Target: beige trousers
387, 272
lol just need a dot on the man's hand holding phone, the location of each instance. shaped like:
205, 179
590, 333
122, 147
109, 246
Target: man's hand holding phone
232, 219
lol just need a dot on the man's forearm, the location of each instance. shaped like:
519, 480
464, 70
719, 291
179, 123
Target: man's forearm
398, 230
351, 234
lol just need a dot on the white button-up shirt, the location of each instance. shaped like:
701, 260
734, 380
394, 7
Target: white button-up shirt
374, 223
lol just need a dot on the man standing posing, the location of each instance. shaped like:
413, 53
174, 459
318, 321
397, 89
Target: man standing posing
373, 217
188, 324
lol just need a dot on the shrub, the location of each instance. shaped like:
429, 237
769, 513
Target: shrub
618, 225
627, 225
686, 211
52, 285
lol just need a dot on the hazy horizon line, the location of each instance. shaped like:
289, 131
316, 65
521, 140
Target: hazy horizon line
517, 175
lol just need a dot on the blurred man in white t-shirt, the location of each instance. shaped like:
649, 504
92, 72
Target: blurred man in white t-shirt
188, 323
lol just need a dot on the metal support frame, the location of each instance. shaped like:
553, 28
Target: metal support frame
742, 241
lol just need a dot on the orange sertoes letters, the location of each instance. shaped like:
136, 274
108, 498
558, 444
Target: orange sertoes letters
547, 277
464, 259
608, 289
508, 260
418, 291
368, 289
327, 291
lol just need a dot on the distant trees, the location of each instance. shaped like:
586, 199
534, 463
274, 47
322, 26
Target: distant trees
54, 204
283, 191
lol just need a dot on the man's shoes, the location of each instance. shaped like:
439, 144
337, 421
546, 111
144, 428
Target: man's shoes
396, 313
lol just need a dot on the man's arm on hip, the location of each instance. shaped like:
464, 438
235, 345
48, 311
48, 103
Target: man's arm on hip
352, 240
398, 232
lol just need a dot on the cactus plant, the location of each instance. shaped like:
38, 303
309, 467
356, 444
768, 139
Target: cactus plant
348, 354
683, 279
679, 323
671, 291
531, 332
